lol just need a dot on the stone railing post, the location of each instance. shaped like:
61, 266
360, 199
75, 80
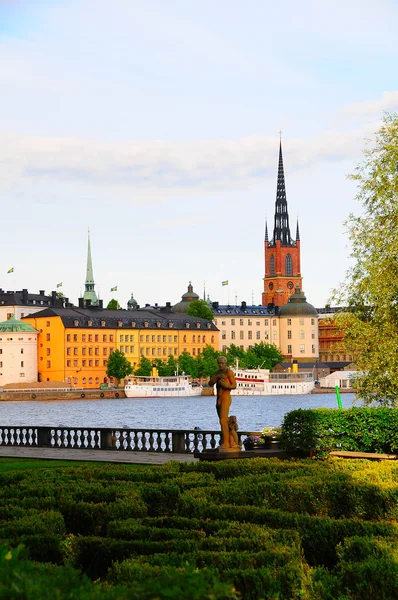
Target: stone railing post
178, 442
43, 437
108, 439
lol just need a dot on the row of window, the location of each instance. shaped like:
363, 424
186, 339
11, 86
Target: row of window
1, 363
249, 322
302, 349
134, 324
90, 337
84, 363
301, 334
84, 351
249, 335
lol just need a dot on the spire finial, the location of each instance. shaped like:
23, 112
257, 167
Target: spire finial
89, 285
280, 135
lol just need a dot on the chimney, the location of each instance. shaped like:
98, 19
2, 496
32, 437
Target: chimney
88, 303
66, 302
243, 305
270, 307
41, 292
215, 305
100, 304
81, 302
24, 296
53, 298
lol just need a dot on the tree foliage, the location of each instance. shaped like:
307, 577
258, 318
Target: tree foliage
371, 287
205, 364
118, 366
113, 305
199, 308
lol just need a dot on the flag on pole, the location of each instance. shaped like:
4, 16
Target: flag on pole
224, 282
59, 284
114, 289
10, 270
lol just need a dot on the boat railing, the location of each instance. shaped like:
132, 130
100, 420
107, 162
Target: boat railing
119, 439
303, 376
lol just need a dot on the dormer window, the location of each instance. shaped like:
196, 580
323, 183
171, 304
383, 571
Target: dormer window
197, 325
158, 324
90, 323
208, 325
120, 323
132, 323
103, 323
146, 323
171, 324
187, 325
76, 323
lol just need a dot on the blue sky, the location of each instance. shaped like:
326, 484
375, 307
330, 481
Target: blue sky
156, 125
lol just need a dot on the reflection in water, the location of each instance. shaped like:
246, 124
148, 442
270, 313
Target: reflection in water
253, 412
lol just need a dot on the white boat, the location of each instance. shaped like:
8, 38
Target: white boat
260, 382
161, 387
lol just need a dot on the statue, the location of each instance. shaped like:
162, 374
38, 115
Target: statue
233, 436
224, 380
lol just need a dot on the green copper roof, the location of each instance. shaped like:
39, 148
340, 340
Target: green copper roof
89, 293
13, 325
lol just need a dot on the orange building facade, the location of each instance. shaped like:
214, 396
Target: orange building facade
74, 344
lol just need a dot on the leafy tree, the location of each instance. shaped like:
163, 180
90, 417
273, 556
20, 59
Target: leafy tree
144, 368
118, 366
263, 355
370, 327
187, 364
199, 308
206, 362
171, 365
113, 305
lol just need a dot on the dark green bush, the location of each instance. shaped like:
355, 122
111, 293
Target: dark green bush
356, 429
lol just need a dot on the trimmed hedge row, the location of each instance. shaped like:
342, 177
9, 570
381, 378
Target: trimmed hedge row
240, 529
355, 429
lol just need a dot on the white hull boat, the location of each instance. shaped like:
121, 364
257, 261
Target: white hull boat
260, 382
161, 387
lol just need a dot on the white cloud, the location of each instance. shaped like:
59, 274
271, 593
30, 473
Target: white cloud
372, 108
205, 164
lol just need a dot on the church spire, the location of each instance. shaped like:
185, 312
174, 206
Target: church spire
89, 292
281, 219
266, 231
297, 232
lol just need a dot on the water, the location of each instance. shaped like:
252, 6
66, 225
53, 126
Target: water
253, 412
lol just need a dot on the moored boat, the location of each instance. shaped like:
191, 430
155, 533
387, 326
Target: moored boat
260, 382
161, 387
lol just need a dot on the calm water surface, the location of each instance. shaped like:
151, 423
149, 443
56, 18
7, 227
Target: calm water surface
253, 412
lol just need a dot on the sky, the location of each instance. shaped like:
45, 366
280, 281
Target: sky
156, 124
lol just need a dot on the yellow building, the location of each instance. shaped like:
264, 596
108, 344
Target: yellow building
74, 343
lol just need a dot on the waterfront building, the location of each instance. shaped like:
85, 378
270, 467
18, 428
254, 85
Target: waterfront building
282, 272
22, 303
246, 325
298, 328
18, 352
74, 344
331, 348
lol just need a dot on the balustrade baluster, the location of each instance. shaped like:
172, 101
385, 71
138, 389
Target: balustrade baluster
151, 439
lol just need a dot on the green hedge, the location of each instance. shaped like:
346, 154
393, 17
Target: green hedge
356, 429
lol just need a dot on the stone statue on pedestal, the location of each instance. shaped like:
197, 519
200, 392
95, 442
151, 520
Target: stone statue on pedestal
224, 380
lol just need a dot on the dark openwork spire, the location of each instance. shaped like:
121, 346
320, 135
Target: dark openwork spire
297, 232
281, 221
266, 231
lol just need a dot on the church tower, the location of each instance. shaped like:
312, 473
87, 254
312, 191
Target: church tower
89, 286
281, 253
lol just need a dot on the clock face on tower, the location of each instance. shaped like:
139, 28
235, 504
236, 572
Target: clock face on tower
271, 285
290, 285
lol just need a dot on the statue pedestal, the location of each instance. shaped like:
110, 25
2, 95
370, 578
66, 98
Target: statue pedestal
227, 454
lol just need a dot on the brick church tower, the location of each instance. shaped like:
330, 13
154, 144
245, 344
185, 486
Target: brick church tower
281, 253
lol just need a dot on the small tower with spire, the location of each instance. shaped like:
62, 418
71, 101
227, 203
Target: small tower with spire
281, 252
89, 286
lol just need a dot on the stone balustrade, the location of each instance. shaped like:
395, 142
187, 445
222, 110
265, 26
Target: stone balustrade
117, 438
